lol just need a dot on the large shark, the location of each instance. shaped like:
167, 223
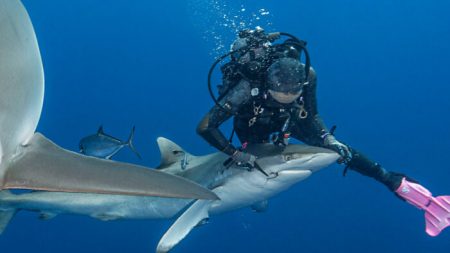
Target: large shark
28, 160
236, 187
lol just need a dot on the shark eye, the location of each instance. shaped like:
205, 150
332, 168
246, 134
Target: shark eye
287, 157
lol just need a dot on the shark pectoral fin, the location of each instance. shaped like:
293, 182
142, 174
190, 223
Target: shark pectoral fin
105, 217
5, 218
42, 165
47, 215
194, 215
260, 207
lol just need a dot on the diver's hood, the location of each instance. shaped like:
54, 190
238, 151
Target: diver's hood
286, 75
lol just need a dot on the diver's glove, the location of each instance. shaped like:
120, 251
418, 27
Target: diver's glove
243, 158
342, 149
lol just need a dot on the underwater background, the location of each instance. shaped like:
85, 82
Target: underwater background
383, 79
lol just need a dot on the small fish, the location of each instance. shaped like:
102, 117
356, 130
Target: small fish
102, 145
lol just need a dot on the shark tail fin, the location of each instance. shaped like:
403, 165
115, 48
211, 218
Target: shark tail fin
129, 143
6, 214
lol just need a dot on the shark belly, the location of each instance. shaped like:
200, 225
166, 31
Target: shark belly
99, 206
251, 187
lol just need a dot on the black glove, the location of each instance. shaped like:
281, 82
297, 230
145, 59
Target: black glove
331, 143
242, 158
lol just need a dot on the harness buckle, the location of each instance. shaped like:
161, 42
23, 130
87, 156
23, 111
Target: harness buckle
303, 114
258, 110
252, 121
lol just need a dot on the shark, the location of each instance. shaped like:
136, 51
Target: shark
236, 186
28, 160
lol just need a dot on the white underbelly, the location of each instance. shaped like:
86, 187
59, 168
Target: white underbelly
248, 188
106, 207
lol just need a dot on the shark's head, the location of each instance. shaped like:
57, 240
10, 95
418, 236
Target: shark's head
294, 157
289, 165
284, 166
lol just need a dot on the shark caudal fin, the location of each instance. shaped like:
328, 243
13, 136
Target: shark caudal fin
21, 80
437, 215
29, 160
6, 213
129, 143
193, 216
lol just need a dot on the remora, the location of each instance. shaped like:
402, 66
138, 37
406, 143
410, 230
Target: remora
236, 187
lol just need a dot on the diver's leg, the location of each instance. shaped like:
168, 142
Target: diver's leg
437, 209
362, 164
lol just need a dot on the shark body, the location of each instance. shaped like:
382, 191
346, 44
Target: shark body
236, 187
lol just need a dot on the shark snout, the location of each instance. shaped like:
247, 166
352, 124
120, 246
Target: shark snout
312, 162
321, 160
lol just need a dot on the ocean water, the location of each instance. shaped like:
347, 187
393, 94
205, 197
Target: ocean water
383, 80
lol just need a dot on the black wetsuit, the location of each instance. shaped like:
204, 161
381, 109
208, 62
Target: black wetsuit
272, 116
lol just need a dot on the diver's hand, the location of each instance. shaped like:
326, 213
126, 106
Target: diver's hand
342, 149
243, 158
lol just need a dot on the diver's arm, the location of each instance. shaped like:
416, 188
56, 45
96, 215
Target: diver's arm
208, 127
311, 130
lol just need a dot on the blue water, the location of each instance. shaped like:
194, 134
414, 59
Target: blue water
383, 80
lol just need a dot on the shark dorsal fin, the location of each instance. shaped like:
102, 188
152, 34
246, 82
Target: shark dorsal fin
100, 130
170, 152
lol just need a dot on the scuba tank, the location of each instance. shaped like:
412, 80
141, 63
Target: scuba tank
250, 56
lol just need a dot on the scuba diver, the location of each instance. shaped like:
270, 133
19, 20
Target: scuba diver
271, 94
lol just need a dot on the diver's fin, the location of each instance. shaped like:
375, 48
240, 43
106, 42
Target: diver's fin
170, 152
193, 216
261, 206
437, 209
437, 215
42, 165
130, 143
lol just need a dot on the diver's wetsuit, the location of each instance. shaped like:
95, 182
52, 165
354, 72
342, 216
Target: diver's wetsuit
271, 118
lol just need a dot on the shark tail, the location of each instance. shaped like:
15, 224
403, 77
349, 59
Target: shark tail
6, 213
129, 143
